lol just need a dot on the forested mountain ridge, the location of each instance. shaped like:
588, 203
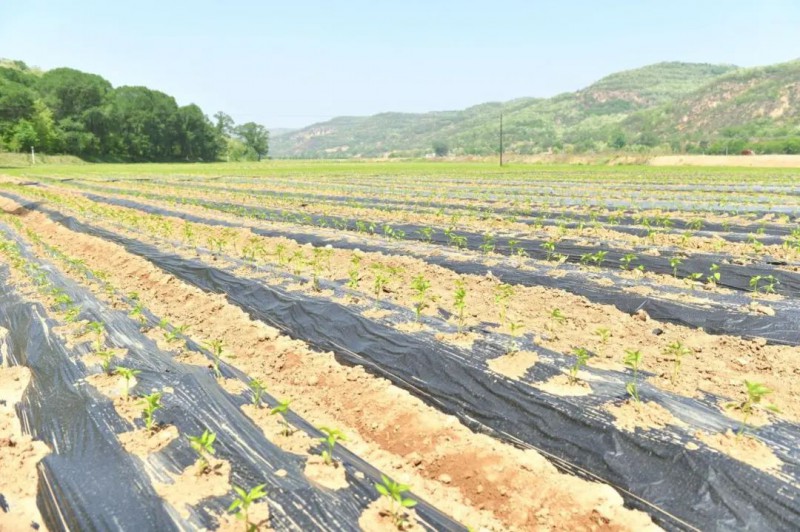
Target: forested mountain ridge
678, 106
72, 112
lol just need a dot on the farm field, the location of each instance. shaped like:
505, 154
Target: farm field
522, 348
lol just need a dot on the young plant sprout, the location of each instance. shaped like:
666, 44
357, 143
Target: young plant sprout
281, 409
549, 248
768, 285
138, 313
257, 389
604, 333
378, 284
598, 257
106, 355
426, 233
677, 351
502, 293
487, 246
581, 357
633, 358
459, 304
397, 502
203, 445
151, 403
755, 394
713, 277
71, 314
515, 327
175, 334
215, 346
674, 262
280, 254
625, 261
693, 278
316, 267
98, 329
353, 273
127, 374
421, 287
331, 437
241, 504
558, 316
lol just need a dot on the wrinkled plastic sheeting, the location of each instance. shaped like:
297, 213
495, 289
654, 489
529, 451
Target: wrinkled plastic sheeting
91, 483
783, 328
88, 482
657, 474
731, 275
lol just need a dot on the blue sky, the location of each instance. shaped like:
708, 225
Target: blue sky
295, 62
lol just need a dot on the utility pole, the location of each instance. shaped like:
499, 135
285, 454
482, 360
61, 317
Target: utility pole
501, 138
33, 156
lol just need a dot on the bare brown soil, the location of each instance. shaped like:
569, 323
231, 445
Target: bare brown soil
743, 447
647, 415
19, 454
749, 161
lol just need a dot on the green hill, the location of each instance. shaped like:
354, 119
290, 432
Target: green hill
684, 106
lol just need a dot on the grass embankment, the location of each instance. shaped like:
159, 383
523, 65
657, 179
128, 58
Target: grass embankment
71, 167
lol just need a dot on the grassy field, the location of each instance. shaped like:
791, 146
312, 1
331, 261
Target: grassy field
400, 169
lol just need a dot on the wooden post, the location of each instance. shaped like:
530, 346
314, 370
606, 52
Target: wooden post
33, 156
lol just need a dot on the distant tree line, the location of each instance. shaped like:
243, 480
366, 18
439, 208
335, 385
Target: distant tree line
71, 112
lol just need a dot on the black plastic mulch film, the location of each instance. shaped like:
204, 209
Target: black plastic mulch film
89, 482
766, 233
783, 328
732, 276
735, 232
654, 470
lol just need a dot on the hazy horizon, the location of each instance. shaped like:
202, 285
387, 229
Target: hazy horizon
289, 66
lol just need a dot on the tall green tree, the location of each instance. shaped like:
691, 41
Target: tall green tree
70, 92
255, 137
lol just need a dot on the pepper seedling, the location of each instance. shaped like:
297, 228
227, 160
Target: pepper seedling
151, 403
215, 347
98, 329
677, 350
625, 261
633, 358
257, 388
203, 445
674, 263
581, 357
331, 437
241, 504
502, 293
459, 302
558, 316
127, 374
106, 355
755, 394
421, 287
604, 333
397, 502
281, 409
